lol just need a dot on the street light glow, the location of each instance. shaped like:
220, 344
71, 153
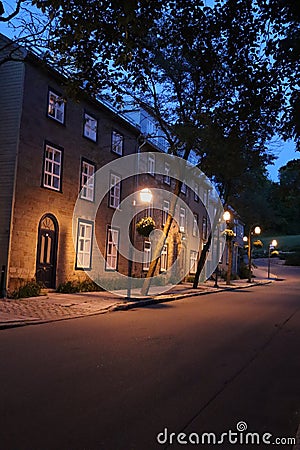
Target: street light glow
257, 230
274, 243
226, 216
146, 195
245, 239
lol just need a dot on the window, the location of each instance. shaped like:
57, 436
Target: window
193, 261
205, 197
90, 126
164, 258
56, 107
204, 228
112, 240
151, 164
84, 245
87, 181
182, 220
117, 143
195, 225
196, 192
167, 178
147, 255
52, 168
115, 191
166, 209
183, 188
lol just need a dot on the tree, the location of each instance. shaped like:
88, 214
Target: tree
202, 72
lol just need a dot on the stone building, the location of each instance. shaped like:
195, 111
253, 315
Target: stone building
50, 149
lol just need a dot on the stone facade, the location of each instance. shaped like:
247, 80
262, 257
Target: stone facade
36, 224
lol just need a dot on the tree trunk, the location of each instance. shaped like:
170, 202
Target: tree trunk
162, 240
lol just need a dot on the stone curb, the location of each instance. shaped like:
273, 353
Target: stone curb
134, 303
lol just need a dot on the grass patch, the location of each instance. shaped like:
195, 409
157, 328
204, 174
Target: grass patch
285, 243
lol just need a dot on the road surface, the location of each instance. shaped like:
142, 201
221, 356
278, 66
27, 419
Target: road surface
127, 380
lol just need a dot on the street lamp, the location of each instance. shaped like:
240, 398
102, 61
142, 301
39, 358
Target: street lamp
272, 245
252, 231
145, 197
227, 218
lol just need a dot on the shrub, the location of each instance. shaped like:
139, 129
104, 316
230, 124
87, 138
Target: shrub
29, 289
69, 287
292, 259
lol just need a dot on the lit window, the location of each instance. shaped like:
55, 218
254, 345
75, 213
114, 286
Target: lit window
90, 125
117, 143
87, 182
52, 168
195, 225
167, 178
147, 255
84, 245
56, 107
115, 191
164, 258
166, 210
182, 220
151, 164
112, 239
193, 261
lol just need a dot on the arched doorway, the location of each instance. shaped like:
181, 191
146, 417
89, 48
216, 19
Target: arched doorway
47, 251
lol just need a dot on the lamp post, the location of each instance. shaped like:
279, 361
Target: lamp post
145, 197
252, 230
226, 217
229, 238
272, 245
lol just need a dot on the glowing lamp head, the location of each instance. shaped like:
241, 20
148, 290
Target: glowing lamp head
146, 195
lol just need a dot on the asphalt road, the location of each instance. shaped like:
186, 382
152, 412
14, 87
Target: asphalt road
115, 381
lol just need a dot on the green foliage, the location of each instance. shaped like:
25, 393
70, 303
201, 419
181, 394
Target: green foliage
29, 289
292, 259
145, 226
71, 287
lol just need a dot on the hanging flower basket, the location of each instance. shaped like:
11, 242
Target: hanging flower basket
258, 244
145, 226
229, 234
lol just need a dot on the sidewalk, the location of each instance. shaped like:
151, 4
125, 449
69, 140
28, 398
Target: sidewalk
54, 306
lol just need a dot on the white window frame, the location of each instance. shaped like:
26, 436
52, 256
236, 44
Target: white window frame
195, 225
196, 192
87, 180
151, 164
90, 127
182, 219
117, 142
193, 261
164, 258
147, 255
112, 242
166, 211
167, 178
85, 232
115, 191
204, 227
56, 107
52, 167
